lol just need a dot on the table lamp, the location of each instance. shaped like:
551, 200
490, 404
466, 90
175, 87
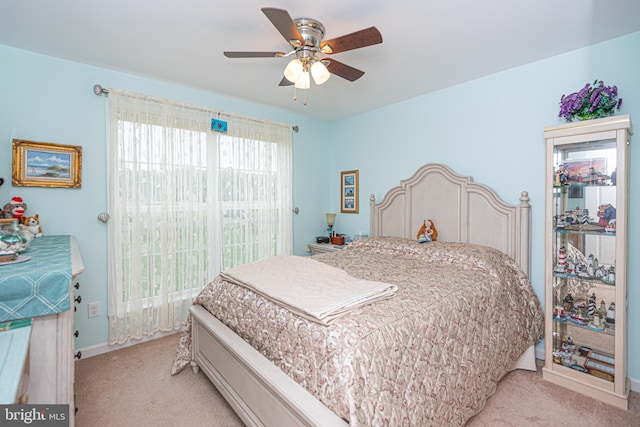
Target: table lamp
331, 219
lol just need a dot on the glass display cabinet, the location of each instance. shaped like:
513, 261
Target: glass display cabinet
586, 257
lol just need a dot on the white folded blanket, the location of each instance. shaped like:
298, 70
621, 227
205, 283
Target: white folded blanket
307, 287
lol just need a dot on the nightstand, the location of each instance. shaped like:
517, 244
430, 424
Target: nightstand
319, 248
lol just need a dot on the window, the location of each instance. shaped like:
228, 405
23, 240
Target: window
186, 202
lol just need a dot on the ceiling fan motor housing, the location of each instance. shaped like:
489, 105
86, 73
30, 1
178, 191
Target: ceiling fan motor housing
311, 31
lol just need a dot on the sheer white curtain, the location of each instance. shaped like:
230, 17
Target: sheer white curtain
185, 202
254, 191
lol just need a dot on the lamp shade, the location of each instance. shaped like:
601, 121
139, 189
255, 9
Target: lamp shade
319, 72
331, 219
304, 81
293, 70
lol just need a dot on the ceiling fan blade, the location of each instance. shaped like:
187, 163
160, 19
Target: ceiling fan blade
254, 54
281, 19
285, 82
362, 38
343, 70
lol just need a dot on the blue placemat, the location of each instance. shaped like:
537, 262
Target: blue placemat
41, 285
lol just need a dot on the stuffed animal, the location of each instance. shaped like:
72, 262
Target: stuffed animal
427, 232
31, 224
15, 208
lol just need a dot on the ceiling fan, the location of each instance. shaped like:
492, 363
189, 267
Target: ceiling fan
305, 36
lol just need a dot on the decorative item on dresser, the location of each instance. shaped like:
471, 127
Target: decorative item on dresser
303, 387
586, 257
48, 275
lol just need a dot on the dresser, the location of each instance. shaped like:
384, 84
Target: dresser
51, 346
14, 361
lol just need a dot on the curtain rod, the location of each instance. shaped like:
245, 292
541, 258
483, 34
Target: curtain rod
99, 90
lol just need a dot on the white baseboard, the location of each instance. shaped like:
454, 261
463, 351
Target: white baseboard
97, 349
105, 348
634, 384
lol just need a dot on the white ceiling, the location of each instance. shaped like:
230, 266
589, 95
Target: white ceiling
428, 44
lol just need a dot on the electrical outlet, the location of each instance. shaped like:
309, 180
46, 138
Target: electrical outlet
94, 309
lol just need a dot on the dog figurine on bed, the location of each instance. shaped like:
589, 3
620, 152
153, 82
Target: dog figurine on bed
427, 232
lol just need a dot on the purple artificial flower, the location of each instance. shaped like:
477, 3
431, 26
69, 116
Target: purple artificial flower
590, 101
595, 94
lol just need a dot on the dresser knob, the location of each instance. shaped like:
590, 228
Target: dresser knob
78, 299
77, 285
76, 333
78, 355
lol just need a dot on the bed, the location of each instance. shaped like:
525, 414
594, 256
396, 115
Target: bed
464, 314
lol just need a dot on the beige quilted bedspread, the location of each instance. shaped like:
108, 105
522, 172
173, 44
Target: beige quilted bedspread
431, 355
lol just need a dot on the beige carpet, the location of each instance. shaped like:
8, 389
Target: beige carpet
132, 387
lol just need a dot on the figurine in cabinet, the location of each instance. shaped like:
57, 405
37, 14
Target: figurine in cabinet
569, 218
610, 320
591, 266
568, 304
606, 214
571, 267
602, 311
585, 216
562, 176
592, 305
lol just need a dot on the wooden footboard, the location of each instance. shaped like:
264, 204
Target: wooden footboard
259, 392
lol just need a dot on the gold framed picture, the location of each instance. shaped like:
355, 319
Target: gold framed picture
43, 164
349, 191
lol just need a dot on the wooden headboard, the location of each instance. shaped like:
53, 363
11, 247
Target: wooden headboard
461, 210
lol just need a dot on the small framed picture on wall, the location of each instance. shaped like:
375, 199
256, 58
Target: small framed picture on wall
43, 164
349, 191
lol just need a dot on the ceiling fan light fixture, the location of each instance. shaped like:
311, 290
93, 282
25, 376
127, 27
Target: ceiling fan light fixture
304, 81
319, 72
293, 70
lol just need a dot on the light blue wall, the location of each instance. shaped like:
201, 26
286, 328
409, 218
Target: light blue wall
51, 100
490, 128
